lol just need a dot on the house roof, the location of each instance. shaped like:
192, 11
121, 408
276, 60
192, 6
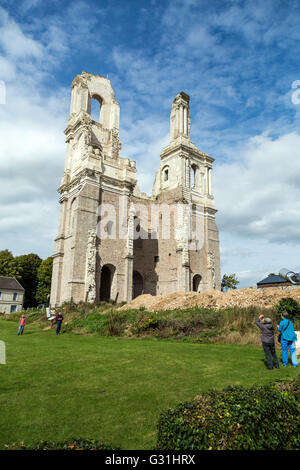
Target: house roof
273, 280
10, 283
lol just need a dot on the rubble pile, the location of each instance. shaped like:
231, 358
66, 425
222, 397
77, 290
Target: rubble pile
213, 299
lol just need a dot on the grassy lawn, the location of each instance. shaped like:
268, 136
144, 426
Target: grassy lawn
54, 388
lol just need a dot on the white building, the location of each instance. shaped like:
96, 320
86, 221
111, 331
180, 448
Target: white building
11, 295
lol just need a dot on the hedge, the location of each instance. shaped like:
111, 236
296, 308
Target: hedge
237, 418
71, 444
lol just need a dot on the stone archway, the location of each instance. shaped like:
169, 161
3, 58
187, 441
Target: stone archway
106, 280
137, 284
196, 282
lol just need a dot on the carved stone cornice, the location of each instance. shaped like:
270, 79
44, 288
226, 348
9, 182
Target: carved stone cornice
185, 149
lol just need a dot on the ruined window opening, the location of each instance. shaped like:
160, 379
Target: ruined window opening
108, 228
96, 103
193, 175
166, 174
137, 224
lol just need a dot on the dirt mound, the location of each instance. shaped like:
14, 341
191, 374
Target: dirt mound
213, 299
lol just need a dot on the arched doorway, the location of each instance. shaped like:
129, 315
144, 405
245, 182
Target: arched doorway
107, 275
196, 282
137, 284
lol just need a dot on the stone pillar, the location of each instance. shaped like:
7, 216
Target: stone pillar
211, 266
177, 122
209, 182
202, 183
206, 181
187, 174
91, 257
181, 119
128, 278
183, 269
129, 256
185, 121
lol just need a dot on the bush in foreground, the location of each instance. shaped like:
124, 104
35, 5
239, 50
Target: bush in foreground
237, 418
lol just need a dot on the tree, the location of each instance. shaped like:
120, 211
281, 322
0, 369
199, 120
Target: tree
44, 276
229, 282
289, 305
9, 266
29, 265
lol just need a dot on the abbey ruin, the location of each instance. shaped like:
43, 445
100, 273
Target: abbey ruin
115, 242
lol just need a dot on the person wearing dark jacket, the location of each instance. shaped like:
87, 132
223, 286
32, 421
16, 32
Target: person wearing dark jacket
59, 319
268, 342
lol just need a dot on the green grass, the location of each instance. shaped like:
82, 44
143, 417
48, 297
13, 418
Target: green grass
111, 389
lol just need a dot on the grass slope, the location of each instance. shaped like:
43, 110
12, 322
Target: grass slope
111, 389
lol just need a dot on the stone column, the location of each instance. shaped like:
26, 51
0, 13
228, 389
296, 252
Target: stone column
183, 269
177, 126
209, 182
129, 256
185, 123
206, 181
187, 173
181, 119
73, 106
90, 277
128, 278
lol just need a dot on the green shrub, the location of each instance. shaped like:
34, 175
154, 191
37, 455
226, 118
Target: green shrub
145, 323
71, 444
288, 305
31, 316
237, 418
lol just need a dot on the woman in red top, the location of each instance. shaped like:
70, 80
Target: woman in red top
22, 323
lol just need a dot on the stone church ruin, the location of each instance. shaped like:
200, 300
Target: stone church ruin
115, 242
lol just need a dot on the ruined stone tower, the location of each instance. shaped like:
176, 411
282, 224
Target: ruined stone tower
114, 241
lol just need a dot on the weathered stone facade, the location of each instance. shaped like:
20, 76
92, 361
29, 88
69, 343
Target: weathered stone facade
114, 241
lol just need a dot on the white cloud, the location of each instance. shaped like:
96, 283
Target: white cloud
32, 144
258, 198
16, 44
258, 193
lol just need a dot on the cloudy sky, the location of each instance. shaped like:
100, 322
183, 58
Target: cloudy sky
238, 61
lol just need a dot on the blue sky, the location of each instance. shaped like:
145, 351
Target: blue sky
236, 59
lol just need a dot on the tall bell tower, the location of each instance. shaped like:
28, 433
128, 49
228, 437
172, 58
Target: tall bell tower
185, 176
94, 174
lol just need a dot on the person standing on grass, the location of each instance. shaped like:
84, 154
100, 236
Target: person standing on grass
287, 340
22, 323
268, 341
59, 319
